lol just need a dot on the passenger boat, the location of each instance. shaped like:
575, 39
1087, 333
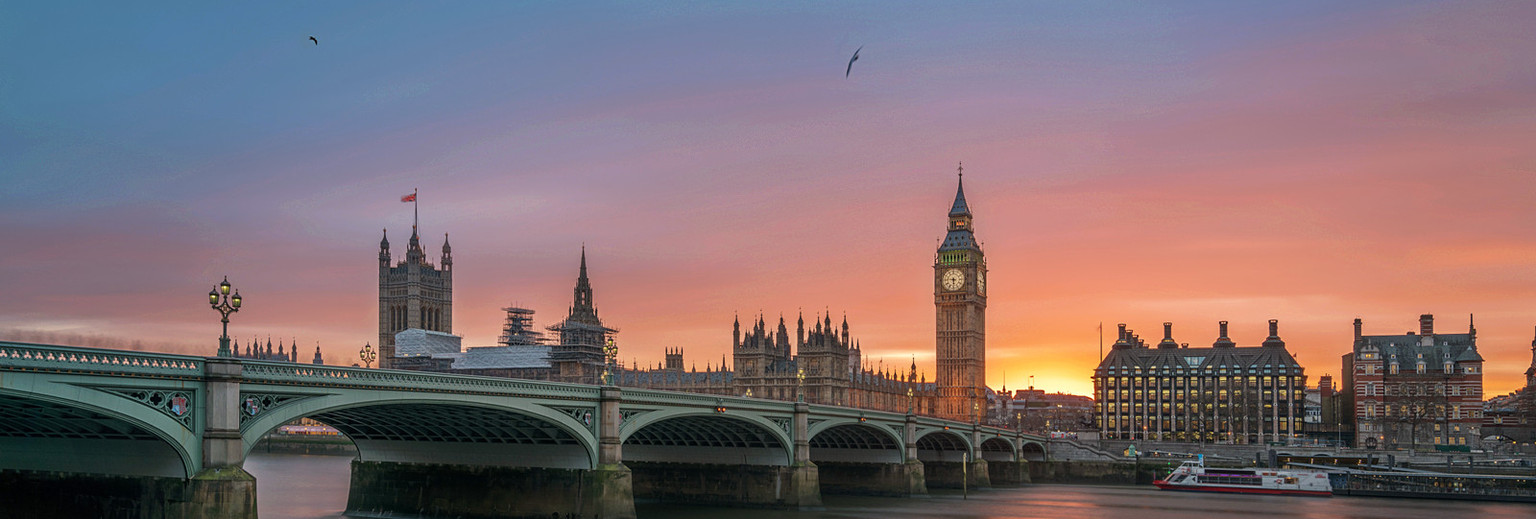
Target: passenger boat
1194, 476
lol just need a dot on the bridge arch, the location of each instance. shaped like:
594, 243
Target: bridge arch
847, 440
705, 436
943, 445
472, 430
1032, 451
998, 449
69, 428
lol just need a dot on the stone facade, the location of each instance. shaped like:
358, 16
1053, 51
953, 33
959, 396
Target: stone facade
413, 293
960, 307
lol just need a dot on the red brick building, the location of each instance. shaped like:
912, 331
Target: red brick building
1415, 389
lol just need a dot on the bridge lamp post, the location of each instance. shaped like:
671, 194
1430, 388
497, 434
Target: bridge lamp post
610, 352
800, 383
220, 299
367, 355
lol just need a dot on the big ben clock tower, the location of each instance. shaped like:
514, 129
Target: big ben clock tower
960, 302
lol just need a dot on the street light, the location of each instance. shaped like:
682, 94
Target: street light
367, 355
220, 299
800, 383
610, 352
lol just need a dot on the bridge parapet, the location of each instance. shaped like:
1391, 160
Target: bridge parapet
266, 372
69, 359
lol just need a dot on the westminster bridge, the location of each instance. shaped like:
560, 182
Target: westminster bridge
109, 433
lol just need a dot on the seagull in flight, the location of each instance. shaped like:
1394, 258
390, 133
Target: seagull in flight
850, 62
312, 38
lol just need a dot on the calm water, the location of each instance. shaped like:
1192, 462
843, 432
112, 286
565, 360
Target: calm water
315, 487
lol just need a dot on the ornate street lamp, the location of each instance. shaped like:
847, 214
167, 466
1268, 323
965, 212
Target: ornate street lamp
610, 352
367, 355
220, 299
800, 383
909, 399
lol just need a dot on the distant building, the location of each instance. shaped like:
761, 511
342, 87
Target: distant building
1512, 417
412, 294
255, 351
579, 356
1034, 410
1220, 393
1415, 389
822, 362
1325, 419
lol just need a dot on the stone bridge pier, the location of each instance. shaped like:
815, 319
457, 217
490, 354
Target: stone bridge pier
523, 476
950, 460
722, 457
854, 457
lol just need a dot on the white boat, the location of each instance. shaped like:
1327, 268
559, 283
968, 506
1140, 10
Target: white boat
1194, 476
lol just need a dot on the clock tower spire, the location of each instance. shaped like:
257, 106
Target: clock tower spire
960, 302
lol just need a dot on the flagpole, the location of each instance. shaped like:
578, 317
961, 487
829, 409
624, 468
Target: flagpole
1101, 342
416, 214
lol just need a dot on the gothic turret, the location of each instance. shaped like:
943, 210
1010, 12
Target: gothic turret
800, 331
736, 333
581, 308
1530, 373
413, 252
317, 360
384, 250
447, 253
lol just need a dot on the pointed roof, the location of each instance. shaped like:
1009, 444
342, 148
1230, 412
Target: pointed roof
960, 208
581, 278
1469, 355
582, 308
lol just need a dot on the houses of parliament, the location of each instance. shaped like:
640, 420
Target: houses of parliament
821, 362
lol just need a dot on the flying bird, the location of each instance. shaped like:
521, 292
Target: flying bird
850, 62
312, 38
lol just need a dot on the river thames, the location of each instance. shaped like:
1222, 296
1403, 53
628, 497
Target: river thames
315, 487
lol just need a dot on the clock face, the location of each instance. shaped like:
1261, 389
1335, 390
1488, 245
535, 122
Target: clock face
953, 279
981, 282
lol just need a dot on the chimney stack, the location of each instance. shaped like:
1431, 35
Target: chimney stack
1357, 329
1223, 341
1427, 324
1167, 337
1274, 335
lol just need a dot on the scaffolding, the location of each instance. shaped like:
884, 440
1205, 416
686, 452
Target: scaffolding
519, 330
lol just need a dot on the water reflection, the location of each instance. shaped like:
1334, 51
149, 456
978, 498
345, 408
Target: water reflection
315, 487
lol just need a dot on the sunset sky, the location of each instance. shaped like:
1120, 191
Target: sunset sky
1135, 162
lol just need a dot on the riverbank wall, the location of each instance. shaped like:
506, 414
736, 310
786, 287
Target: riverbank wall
1097, 472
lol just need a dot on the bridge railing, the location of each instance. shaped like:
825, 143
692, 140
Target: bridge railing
65, 359
307, 374
666, 397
